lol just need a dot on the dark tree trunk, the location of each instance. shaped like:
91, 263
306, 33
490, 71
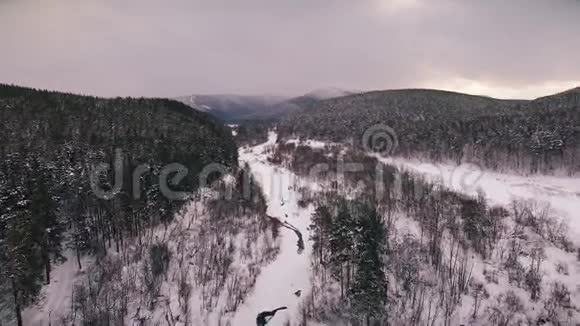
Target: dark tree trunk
17, 309
47, 269
79, 259
46, 256
341, 283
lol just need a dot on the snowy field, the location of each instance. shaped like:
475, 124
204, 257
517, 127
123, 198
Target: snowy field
562, 194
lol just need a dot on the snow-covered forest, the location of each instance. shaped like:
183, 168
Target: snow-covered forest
514, 136
498, 250
69, 187
328, 232
289, 163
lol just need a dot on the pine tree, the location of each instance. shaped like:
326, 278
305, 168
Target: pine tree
341, 245
49, 144
368, 293
320, 232
19, 252
48, 228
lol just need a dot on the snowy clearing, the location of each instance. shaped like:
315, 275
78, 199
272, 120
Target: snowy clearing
563, 194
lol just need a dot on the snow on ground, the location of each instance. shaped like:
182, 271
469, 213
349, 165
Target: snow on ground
234, 128
55, 298
312, 143
290, 272
275, 286
563, 194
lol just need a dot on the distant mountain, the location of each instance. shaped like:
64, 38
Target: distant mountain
231, 107
529, 136
329, 92
235, 108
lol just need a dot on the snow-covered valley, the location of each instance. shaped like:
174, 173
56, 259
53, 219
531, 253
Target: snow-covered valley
282, 281
286, 280
277, 270
290, 163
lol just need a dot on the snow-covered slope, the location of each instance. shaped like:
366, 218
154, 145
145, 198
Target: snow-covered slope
55, 298
192, 101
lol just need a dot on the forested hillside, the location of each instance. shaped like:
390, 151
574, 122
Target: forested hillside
539, 136
51, 142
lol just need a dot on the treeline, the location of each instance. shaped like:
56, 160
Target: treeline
252, 132
51, 143
539, 136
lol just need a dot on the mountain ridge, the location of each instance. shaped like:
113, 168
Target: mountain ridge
235, 108
530, 135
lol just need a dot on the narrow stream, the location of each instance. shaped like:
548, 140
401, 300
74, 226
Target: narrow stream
285, 224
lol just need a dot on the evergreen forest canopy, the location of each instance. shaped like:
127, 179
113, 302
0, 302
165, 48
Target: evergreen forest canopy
50, 141
539, 136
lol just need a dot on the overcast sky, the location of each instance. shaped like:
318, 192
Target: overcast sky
515, 48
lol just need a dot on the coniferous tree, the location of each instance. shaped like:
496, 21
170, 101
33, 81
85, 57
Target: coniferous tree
320, 232
51, 142
19, 253
368, 293
341, 245
49, 227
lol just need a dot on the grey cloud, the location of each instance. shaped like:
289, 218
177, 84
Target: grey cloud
170, 48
